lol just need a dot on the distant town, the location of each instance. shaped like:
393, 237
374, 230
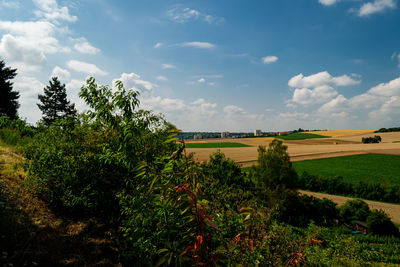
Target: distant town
226, 134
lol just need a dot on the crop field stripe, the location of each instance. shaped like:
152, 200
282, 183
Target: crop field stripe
300, 136
373, 167
214, 145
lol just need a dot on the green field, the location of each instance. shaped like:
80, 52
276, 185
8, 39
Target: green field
300, 136
214, 145
373, 167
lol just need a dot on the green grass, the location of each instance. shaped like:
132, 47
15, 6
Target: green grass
373, 167
300, 136
214, 145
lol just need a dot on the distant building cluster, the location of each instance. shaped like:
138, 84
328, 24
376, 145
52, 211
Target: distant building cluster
225, 134
258, 133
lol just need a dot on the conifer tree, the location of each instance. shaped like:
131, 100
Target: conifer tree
8, 98
54, 104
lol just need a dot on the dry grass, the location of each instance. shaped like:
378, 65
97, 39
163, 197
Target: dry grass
342, 133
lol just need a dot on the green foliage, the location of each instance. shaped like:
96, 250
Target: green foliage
224, 170
337, 185
380, 224
8, 98
385, 130
214, 145
54, 104
300, 136
15, 132
354, 210
368, 140
274, 167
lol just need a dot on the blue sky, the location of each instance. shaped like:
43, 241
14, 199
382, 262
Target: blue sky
216, 65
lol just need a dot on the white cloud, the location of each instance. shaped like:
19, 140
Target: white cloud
167, 66
202, 45
328, 2
28, 86
133, 81
85, 67
377, 6
391, 88
294, 115
201, 80
62, 74
26, 43
161, 78
20, 54
185, 14
49, 10
321, 78
83, 46
397, 57
269, 59
318, 95
158, 45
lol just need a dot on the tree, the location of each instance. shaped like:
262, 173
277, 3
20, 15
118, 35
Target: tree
54, 103
274, 167
8, 98
354, 210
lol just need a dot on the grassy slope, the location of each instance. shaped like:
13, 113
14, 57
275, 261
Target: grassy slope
300, 136
375, 167
214, 145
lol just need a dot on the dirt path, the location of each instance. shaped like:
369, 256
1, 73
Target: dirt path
392, 210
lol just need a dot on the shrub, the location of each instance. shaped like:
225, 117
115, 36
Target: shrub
375, 139
354, 210
380, 224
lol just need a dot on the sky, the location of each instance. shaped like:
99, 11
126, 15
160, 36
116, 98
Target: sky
226, 65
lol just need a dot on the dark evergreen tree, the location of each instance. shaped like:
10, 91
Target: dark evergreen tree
54, 104
8, 98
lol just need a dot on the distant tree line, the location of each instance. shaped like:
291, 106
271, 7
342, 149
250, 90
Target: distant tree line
336, 185
385, 130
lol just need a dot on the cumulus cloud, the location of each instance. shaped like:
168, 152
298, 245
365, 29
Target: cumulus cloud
318, 95
201, 80
134, 81
377, 6
185, 14
269, 59
321, 78
49, 10
85, 67
167, 66
62, 74
294, 115
328, 2
83, 46
201, 45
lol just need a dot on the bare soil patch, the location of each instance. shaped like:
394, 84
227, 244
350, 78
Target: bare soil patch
392, 210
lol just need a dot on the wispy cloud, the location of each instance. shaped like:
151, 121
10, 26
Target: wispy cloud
83, 46
328, 2
85, 67
202, 45
9, 4
167, 66
184, 14
158, 45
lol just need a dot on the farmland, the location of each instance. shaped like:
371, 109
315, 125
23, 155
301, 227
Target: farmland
301, 136
374, 167
215, 145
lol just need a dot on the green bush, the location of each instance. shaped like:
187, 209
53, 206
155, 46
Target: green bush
354, 210
368, 140
380, 224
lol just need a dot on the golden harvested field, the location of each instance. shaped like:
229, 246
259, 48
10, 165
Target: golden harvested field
342, 133
306, 149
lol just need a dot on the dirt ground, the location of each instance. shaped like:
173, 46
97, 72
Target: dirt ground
392, 210
305, 149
